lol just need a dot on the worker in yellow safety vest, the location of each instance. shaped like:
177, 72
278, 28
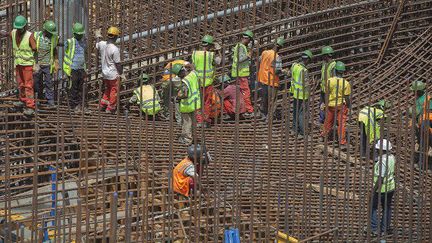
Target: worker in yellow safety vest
369, 119
146, 97
327, 71
205, 62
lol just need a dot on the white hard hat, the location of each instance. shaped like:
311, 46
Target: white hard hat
386, 145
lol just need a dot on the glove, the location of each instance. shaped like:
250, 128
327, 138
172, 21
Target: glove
322, 106
98, 33
36, 68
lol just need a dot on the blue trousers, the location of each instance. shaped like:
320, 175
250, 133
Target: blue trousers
386, 205
43, 80
300, 115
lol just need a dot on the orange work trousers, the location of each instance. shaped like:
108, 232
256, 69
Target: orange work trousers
245, 90
24, 77
341, 114
203, 115
109, 98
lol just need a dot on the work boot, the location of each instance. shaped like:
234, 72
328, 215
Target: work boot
18, 104
28, 112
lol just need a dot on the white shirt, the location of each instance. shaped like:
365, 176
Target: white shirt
109, 55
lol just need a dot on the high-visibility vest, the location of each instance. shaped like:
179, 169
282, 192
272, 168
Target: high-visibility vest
389, 183
148, 99
166, 74
298, 86
266, 73
369, 116
327, 71
200, 64
180, 180
193, 100
23, 54
240, 69
68, 57
54, 42
427, 112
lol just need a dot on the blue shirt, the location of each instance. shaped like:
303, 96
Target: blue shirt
78, 61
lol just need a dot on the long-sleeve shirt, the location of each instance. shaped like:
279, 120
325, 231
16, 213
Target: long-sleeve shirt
230, 93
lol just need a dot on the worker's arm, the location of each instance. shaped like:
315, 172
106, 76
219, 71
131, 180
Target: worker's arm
347, 93
380, 181
116, 59
183, 92
278, 66
242, 54
190, 171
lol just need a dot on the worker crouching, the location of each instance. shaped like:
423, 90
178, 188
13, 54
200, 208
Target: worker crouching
231, 95
185, 174
146, 97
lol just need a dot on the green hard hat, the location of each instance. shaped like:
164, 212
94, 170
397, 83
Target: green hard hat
20, 22
340, 66
176, 68
224, 79
383, 104
78, 29
326, 50
50, 27
307, 54
208, 39
417, 85
248, 33
280, 41
145, 77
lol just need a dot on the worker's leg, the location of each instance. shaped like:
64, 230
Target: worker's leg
374, 215
38, 84
272, 93
363, 139
104, 102
228, 107
27, 75
201, 114
73, 89
423, 138
244, 88
191, 185
329, 121
113, 94
296, 112
20, 81
321, 112
302, 116
186, 134
386, 204
48, 84
342, 114
264, 98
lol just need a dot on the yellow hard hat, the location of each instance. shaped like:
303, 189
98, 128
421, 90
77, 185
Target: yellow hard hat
113, 31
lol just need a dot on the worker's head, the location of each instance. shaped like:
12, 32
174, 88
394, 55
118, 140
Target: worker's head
383, 104
207, 41
340, 68
306, 56
49, 28
20, 23
226, 79
418, 87
144, 79
280, 42
198, 153
384, 145
113, 33
247, 37
178, 70
327, 52
78, 31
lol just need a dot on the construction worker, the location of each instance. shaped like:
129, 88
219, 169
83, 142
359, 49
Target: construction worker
24, 48
327, 71
384, 185
270, 70
369, 123
230, 97
146, 96
112, 70
188, 170
204, 62
74, 64
46, 62
300, 91
190, 100
241, 68
338, 91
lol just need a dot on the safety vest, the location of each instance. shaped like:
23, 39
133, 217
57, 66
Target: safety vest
54, 42
242, 69
266, 73
427, 112
369, 116
23, 54
68, 57
148, 99
388, 162
200, 64
180, 180
327, 71
193, 100
298, 89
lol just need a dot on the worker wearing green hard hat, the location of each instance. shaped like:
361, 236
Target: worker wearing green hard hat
20, 22
207, 40
327, 71
147, 98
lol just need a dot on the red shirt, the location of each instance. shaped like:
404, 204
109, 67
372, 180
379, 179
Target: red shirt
230, 93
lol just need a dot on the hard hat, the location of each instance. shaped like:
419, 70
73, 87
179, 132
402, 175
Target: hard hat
340, 66
384, 144
326, 50
176, 68
249, 34
207, 39
307, 54
225, 78
418, 85
78, 29
20, 22
50, 27
280, 41
199, 151
145, 77
383, 104
113, 31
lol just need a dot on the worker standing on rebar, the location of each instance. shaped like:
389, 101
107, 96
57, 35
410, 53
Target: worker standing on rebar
146, 97
241, 69
230, 98
47, 63
369, 123
204, 62
384, 185
112, 70
338, 90
300, 91
190, 100
270, 70
327, 71
24, 51
74, 65
186, 173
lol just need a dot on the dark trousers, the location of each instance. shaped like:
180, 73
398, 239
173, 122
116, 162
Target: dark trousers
300, 115
424, 139
75, 87
268, 99
386, 205
43, 80
363, 139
